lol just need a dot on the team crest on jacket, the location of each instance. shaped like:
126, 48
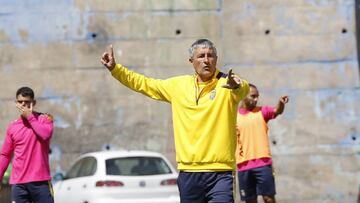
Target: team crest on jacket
212, 94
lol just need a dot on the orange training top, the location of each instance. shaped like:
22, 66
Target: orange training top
252, 134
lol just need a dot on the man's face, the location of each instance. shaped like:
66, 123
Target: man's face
24, 101
204, 62
252, 98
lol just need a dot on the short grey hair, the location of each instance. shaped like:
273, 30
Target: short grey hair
203, 43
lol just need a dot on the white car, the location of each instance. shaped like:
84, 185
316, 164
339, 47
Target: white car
118, 177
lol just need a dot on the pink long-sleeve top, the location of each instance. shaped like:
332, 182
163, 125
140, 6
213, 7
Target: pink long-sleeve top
29, 140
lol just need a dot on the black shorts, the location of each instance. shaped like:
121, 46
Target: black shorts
256, 181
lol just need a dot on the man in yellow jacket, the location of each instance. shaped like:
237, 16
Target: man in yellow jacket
204, 108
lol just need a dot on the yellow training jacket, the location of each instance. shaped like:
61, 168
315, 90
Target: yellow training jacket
204, 116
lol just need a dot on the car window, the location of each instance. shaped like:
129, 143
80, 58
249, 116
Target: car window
135, 166
74, 170
88, 167
84, 167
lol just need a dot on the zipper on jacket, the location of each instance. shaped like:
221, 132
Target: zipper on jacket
197, 96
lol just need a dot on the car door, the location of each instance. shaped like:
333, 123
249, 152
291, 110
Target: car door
64, 191
85, 180
73, 188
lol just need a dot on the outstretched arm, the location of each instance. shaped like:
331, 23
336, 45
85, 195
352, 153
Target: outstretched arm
281, 105
154, 88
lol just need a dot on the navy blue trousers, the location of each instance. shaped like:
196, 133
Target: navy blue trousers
34, 192
206, 187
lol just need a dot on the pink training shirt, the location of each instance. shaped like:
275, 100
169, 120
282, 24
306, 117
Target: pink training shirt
268, 113
29, 140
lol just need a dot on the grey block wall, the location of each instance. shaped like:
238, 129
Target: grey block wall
303, 48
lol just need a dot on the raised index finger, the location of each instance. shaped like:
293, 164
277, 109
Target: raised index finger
111, 50
230, 72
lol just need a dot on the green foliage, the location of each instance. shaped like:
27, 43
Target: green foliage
5, 180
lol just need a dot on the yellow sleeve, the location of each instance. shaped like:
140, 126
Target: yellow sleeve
154, 88
241, 92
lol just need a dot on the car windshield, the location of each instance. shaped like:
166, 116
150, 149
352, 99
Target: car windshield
137, 166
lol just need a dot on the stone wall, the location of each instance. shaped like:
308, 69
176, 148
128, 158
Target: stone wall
303, 48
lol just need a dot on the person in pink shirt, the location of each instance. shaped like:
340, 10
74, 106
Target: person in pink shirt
253, 157
27, 140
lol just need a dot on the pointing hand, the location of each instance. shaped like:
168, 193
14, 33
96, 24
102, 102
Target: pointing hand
233, 81
108, 59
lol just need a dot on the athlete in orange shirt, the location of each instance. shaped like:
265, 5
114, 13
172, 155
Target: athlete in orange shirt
253, 156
